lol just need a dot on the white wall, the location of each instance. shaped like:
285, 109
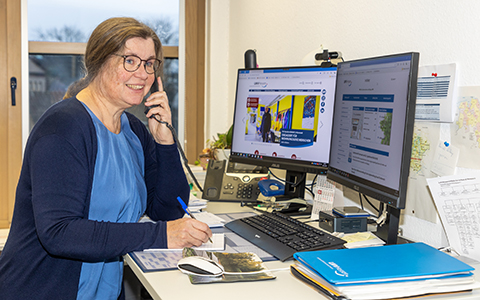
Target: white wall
284, 31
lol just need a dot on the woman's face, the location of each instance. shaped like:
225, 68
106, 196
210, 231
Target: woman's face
126, 89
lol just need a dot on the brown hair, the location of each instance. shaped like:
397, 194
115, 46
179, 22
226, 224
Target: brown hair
109, 38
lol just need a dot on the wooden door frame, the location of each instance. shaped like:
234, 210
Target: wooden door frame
10, 116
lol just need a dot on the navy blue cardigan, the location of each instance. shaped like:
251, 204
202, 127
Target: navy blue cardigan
51, 235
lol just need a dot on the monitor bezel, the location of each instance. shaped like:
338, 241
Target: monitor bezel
389, 196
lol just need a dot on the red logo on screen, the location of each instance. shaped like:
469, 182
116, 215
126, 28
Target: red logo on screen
252, 102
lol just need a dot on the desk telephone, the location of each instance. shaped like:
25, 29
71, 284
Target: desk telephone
226, 181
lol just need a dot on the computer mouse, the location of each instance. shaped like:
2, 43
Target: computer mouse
199, 265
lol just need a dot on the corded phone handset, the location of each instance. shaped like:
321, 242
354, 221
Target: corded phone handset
154, 89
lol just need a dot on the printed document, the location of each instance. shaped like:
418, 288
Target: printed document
435, 93
457, 198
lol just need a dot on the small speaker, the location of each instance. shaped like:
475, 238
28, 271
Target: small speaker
250, 59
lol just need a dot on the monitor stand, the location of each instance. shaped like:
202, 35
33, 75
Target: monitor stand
295, 193
389, 231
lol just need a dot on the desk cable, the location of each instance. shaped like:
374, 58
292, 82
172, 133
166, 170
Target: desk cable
304, 177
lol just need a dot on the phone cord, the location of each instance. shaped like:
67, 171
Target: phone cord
182, 154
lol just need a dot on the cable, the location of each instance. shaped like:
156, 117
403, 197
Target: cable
283, 180
368, 201
182, 154
361, 202
314, 180
310, 191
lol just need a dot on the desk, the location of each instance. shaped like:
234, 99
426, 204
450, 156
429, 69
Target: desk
173, 284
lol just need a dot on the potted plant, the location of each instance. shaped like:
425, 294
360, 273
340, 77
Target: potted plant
218, 148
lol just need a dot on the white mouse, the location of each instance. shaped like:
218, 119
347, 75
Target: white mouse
198, 265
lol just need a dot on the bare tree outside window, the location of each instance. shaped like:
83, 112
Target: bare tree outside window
66, 33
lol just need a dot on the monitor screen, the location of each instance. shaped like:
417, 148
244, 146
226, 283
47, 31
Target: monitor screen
283, 116
373, 126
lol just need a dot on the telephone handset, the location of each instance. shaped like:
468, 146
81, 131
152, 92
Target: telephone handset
154, 89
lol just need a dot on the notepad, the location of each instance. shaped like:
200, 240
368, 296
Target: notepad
218, 240
210, 219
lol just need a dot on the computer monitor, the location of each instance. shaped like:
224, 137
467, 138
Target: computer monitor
372, 129
282, 119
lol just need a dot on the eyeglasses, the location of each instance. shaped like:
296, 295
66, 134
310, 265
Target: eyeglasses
131, 63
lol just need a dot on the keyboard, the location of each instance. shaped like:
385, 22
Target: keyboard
281, 235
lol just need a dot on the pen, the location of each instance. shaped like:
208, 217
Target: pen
188, 212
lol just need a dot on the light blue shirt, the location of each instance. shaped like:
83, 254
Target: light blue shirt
118, 195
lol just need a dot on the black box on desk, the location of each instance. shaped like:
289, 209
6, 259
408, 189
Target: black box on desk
335, 223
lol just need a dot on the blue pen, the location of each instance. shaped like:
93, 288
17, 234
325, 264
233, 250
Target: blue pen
188, 212
185, 207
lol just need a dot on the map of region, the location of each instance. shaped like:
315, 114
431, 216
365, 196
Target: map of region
465, 131
468, 122
425, 136
420, 146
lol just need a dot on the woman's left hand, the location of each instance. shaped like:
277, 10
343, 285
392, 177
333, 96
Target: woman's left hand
160, 132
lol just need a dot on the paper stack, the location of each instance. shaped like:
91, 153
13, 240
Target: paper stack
196, 204
384, 272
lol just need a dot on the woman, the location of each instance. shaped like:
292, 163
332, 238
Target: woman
91, 170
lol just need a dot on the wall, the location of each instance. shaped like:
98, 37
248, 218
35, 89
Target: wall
284, 31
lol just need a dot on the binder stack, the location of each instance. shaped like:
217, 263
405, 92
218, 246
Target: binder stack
384, 272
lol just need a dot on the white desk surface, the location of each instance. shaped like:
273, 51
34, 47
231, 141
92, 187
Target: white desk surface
173, 284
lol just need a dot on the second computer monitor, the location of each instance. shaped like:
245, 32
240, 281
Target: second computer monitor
373, 126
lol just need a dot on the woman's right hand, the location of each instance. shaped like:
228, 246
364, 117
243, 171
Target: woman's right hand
162, 112
187, 232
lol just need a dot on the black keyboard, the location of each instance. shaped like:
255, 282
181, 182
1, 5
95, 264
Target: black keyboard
281, 235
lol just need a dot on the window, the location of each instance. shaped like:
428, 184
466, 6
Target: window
73, 21
58, 38
193, 14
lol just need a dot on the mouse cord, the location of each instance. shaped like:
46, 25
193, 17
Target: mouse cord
182, 154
